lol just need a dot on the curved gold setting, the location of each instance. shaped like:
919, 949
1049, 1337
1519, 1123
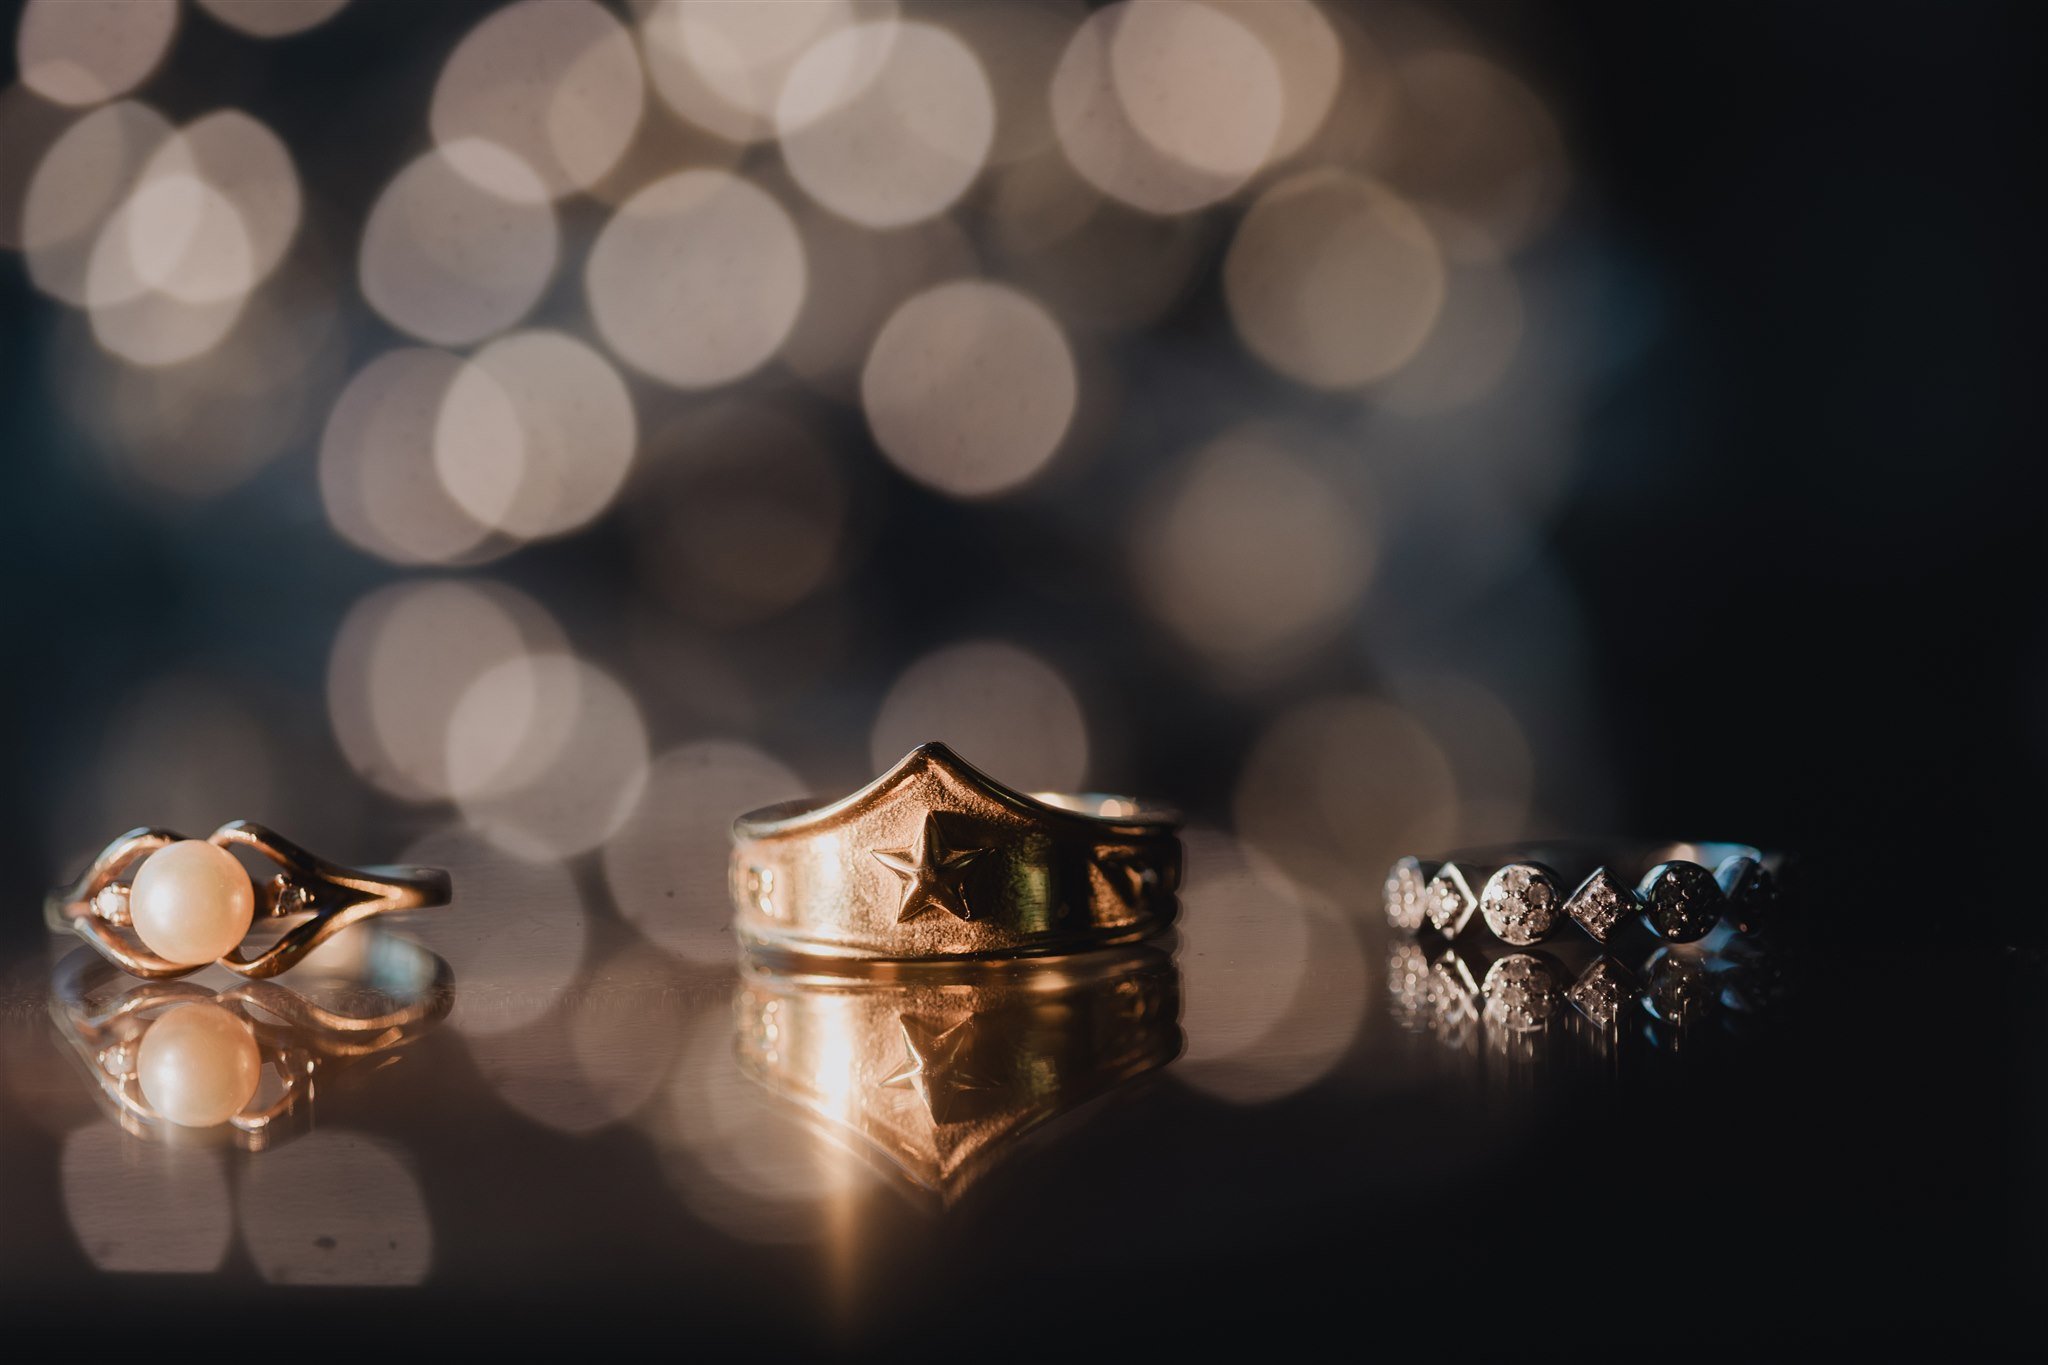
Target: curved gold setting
326, 897
935, 1071
393, 992
935, 860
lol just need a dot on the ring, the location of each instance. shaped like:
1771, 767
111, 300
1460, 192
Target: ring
936, 1070
187, 903
1680, 890
170, 1056
935, 860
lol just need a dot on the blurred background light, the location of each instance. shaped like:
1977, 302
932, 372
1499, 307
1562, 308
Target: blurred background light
1333, 280
1166, 106
535, 436
665, 866
1000, 707
335, 1208
886, 124
970, 388
555, 82
171, 1214
272, 18
697, 279
460, 244
88, 51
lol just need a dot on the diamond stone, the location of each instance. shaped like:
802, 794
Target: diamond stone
1407, 895
1683, 900
1600, 904
1451, 901
1407, 984
1520, 903
1522, 993
1603, 993
1681, 990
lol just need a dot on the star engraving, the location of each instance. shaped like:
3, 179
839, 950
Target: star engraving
940, 1066
931, 874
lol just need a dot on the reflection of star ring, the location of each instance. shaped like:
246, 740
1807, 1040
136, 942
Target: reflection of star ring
936, 860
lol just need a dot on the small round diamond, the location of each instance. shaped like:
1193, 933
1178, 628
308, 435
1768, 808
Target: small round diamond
1684, 902
1522, 993
1407, 895
1520, 903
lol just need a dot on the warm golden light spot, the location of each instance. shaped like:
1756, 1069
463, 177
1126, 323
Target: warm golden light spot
272, 18
555, 82
535, 435
1254, 555
697, 279
89, 51
451, 261
1001, 708
886, 124
1333, 280
970, 388
1166, 106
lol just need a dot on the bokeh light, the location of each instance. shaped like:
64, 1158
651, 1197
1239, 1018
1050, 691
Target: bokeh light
81, 183
1334, 280
336, 1208
169, 1215
460, 244
1251, 553
1166, 106
1000, 707
272, 18
724, 64
89, 51
886, 124
970, 388
555, 82
403, 660
665, 866
697, 279
535, 436
547, 754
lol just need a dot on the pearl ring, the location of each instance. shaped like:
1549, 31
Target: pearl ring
160, 905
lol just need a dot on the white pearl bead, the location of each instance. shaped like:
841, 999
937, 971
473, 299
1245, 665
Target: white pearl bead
198, 1065
191, 902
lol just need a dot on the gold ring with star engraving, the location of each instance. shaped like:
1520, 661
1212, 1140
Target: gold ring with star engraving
935, 860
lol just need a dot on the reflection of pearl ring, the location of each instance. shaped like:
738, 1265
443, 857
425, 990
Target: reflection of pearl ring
1525, 893
187, 903
935, 860
169, 1056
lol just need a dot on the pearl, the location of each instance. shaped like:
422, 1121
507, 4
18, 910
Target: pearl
191, 902
198, 1065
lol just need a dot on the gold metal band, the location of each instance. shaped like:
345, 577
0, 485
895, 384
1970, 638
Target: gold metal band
934, 860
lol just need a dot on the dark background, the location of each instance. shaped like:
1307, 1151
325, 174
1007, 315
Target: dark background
1805, 542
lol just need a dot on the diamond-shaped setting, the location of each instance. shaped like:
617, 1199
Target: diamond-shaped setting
1451, 901
1604, 993
1522, 993
1452, 1000
1520, 903
1682, 900
1601, 904
1407, 895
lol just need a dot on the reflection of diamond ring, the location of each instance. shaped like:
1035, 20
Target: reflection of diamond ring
173, 1055
1680, 890
935, 860
186, 903
938, 1069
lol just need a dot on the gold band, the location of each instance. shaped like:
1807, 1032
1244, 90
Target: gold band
934, 860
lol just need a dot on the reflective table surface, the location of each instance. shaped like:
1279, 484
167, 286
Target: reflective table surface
1283, 1119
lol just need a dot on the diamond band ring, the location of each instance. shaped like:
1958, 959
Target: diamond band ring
1524, 894
935, 860
160, 905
